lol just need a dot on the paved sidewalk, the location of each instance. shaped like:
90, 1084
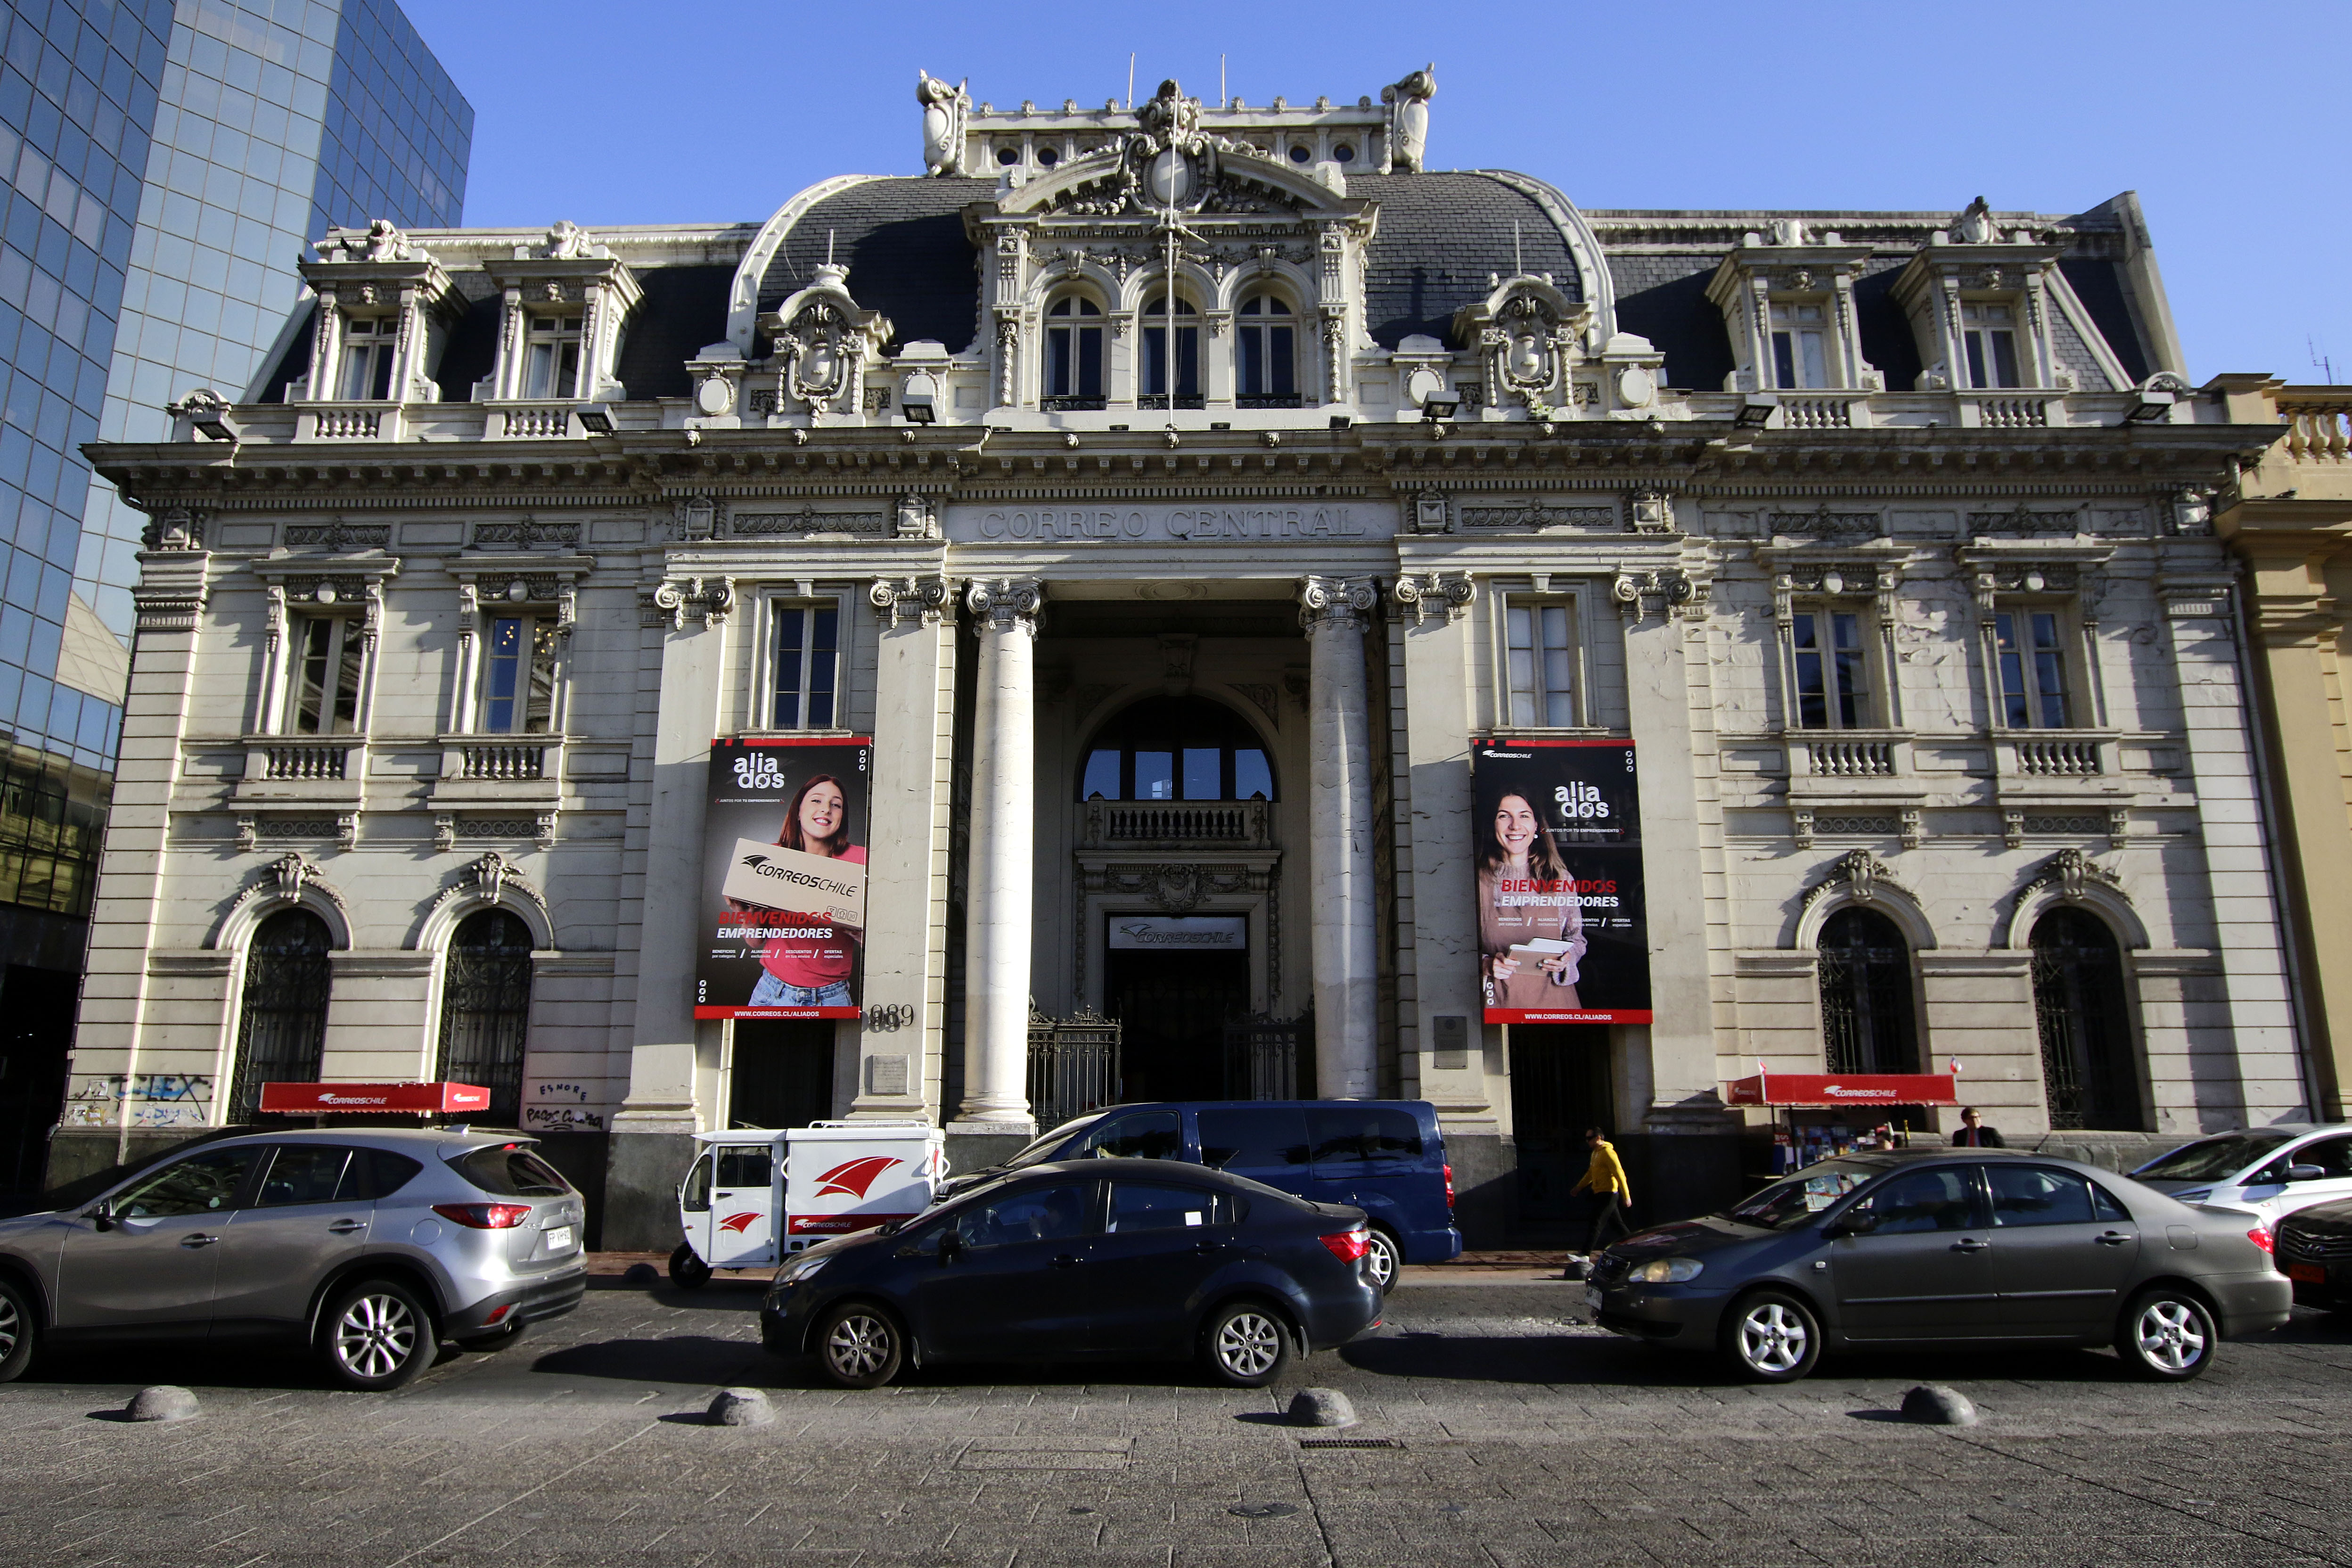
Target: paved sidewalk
1510, 1430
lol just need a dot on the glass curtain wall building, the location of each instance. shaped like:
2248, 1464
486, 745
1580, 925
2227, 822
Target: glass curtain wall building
165, 165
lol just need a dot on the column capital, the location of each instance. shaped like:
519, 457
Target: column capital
1004, 602
1343, 602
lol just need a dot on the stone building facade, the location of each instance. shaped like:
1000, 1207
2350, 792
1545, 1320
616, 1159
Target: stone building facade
1883, 538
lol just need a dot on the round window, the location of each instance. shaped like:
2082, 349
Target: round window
1344, 152
1048, 156
1008, 154
1300, 155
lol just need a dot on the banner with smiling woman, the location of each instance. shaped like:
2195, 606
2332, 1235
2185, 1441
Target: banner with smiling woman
783, 879
1562, 938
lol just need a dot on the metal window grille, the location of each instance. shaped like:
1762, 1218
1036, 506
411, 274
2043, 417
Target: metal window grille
1867, 1022
486, 1009
2080, 1012
281, 1031
1072, 1066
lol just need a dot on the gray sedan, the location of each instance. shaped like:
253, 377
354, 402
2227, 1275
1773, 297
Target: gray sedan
371, 1244
1903, 1249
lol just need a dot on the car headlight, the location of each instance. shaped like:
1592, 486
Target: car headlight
1666, 1271
801, 1267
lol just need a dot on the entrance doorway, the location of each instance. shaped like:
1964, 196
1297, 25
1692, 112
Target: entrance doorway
1559, 1087
782, 1074
33, 1040
1172, 1008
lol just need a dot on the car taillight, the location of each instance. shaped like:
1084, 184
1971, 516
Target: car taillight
1347, 1246
1449, 1186
485, 1216
2260, 1237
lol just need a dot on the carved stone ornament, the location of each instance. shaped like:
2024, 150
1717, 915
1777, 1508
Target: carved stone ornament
1673, 589
338, 536
705, 599
1860, 874
1823, 523
1526, 330
1445, 592
919, 517
1178, 888
384, 241
1342, 602
174, 527
823, 340
2075, 874
1653, 513
1432, 512
1408, 102
488, 879
945, 111
1005, 604
528, 533
925, 597
1170, 163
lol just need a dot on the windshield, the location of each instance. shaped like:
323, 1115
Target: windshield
1786, 1204
1036, 1152
2212, 1159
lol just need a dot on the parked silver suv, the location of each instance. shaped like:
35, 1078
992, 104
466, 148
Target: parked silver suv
371, 1245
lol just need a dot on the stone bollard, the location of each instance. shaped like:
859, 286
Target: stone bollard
1321, 1407
741, 1407
644, 1276
162, 1403
1938, 1405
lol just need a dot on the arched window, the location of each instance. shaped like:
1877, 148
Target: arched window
486, 1009
1176, 748
1074, 353
1266, 349
2079, 1008
1867, 1022
1155, 354
281, 1030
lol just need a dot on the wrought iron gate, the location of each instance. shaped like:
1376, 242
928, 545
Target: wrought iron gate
1270, 1060
1072, 1066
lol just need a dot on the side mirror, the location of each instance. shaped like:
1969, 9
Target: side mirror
102, 1216
950, 1246
2306, 1173
1858, 1222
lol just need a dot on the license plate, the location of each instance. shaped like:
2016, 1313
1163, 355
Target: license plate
1592, 1297
2309, 1273
558, 1238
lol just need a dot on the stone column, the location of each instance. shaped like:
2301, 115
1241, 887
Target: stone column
653, 1133
1339, 835
1002, 865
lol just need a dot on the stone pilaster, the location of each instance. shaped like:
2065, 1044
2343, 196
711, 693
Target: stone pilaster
1339, 839
1004, 840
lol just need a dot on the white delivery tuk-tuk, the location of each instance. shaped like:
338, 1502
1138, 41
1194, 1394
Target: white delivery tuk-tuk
755, 1194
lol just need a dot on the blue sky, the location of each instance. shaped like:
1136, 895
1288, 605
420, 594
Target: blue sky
2222, 118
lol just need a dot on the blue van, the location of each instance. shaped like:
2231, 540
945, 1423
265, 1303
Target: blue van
1384, 1156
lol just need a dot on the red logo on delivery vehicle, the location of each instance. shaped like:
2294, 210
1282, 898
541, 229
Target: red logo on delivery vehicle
739, 1222
853, 1178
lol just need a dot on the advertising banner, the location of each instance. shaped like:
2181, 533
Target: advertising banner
1562, 935
783, 879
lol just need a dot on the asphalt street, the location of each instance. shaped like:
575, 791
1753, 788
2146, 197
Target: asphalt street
1499, 1427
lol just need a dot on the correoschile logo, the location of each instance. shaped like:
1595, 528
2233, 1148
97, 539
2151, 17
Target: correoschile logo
852, 1178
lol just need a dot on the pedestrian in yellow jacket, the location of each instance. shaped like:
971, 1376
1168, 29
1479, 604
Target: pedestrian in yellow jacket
1605, 1178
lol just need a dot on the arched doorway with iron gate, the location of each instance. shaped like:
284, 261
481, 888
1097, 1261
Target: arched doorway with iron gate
2089, 1071
486, 1009
281, 1031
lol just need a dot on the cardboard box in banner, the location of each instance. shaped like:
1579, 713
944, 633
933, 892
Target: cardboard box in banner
783, 879
1563, 935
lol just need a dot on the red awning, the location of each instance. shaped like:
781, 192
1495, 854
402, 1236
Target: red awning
337, 1098
1844, 1090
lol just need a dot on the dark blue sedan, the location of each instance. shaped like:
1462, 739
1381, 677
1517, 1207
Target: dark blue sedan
1092, 1258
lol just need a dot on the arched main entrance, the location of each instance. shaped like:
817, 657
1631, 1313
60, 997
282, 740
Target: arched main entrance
2087, 1068
281, 1032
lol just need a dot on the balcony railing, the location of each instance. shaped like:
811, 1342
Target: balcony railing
1851, 759
2057, 758
1114, 824
503, 760
2009, 411
1824, 411
305, 762
530, 422
2318, 426
350, 422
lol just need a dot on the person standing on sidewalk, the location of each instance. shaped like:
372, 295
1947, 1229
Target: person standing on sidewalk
1974, 1134
1605, 1178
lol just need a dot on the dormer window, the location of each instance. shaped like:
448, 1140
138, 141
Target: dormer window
1188, 351
1989, 337
368, 346
1074, 352
1800, 357
551, 358
1265, 346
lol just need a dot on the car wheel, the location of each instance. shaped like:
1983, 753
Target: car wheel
377, 1335
1386, 1258
1772, 1337
17, 1331
860, 1346
1246, 1346
686, 1271
2168, 1335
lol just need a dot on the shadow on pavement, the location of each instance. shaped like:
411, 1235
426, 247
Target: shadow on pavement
1627, 1363
681, 1358
192, 1364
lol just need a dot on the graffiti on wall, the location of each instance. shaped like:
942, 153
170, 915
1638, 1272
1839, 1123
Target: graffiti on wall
558, 1105
143, 1100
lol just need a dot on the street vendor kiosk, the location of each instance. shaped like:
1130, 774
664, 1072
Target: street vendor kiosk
1835, 1113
